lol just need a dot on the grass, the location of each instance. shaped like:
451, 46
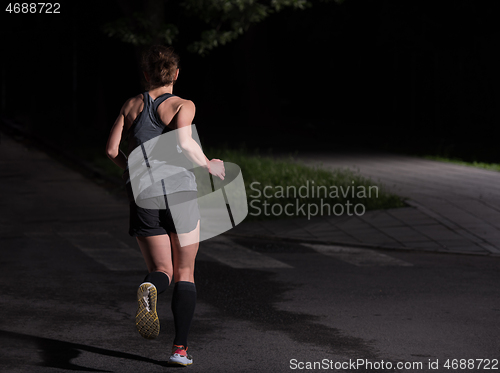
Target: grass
288, 182
487, 166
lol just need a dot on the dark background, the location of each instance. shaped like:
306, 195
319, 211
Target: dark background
408, 76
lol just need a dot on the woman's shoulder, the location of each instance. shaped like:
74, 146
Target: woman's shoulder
181, 100
134, 101
133, 105
171, 110
131, 109
176, 103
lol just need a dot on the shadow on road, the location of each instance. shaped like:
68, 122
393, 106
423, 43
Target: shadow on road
58, 354
254, 297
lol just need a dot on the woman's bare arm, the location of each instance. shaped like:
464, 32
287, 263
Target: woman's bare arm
113, 150
184, 119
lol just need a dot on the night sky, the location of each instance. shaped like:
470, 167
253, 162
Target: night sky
406, 76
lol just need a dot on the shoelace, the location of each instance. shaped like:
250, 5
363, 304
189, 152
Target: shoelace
180, 350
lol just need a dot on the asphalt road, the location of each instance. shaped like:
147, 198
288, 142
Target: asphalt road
64, 311
69, 273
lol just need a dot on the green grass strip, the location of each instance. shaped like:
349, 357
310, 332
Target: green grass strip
290, 183
486, 166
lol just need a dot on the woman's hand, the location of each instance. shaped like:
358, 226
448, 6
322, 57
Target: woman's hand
216, 168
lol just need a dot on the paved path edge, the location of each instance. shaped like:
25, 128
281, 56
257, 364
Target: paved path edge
351, 244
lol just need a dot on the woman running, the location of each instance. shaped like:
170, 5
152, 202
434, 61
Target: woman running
142, 118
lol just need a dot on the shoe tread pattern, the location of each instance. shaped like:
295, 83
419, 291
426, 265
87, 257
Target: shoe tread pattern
147, 322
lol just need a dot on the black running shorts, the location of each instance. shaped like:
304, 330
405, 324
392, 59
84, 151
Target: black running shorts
154, 222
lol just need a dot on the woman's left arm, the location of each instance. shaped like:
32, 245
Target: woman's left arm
113, 150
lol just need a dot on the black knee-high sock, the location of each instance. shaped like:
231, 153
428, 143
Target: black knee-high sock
159, 279
183, 304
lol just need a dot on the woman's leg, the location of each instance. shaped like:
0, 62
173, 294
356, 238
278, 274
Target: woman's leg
184, 257
184, 296
156, 251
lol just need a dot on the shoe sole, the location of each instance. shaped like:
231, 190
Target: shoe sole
146, 321
178, 363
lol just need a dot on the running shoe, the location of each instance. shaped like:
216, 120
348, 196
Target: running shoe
146, 318
180, 356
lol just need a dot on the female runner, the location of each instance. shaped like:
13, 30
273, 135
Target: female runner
146, 116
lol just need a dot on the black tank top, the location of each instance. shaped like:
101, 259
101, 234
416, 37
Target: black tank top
147, 126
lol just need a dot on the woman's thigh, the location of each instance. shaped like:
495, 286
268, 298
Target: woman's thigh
157, 252
184, 256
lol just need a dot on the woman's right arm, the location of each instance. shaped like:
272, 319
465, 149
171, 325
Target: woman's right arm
189, 146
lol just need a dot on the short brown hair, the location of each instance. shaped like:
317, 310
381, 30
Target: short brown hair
160, 63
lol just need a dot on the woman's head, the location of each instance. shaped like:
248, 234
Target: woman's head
160, 65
